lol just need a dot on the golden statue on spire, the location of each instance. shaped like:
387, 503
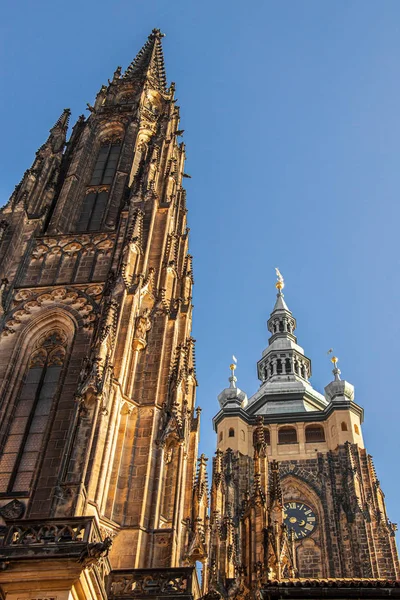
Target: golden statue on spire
280, 284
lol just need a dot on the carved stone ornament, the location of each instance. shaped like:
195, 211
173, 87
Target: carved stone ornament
13, 510
28, 302
154, 583
94, 552
143, 324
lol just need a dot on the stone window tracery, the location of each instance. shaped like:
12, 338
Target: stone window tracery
26, 434
97, 193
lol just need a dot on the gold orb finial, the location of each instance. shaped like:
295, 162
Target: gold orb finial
280, 284
234, 364
334, 359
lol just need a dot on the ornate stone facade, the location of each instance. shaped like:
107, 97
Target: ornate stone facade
294, 498
98, 427
102, 494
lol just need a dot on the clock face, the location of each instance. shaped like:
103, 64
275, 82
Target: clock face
299, 518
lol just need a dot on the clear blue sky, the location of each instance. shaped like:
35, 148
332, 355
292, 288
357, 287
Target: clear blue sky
291, 112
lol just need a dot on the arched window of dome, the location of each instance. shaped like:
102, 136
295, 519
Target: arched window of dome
315, 433
231, 432
356, 429
287, 435
344, 426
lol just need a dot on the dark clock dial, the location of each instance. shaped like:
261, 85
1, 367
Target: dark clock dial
299, 518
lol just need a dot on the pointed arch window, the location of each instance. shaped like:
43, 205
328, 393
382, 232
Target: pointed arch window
28, 426
96, 199
169, 482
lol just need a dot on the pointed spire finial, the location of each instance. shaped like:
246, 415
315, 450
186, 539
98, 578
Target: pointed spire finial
334, 360
63, 120
232, 367
117, 73
157, 33
280, 284
276, 495
149, 62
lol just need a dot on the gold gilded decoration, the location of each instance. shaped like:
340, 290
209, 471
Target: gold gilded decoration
280, 284
334, 359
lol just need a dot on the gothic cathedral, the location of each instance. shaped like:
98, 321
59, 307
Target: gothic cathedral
102, 493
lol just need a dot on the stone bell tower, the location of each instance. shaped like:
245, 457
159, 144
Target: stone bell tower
100, 492
295, 501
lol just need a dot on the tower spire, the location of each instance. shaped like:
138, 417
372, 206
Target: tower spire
58, 132
149, 62
232, 367
232, 395
334, 360
62, 121
283, 357
281, 321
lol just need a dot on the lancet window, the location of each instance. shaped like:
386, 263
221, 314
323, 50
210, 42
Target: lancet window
97, 193
30, 420
169, 483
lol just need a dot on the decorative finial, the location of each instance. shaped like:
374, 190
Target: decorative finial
117, 73
157, 33
280, 284
334, 360
232, 367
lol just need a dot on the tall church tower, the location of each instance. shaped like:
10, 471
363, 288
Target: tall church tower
100, 490
295, 500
